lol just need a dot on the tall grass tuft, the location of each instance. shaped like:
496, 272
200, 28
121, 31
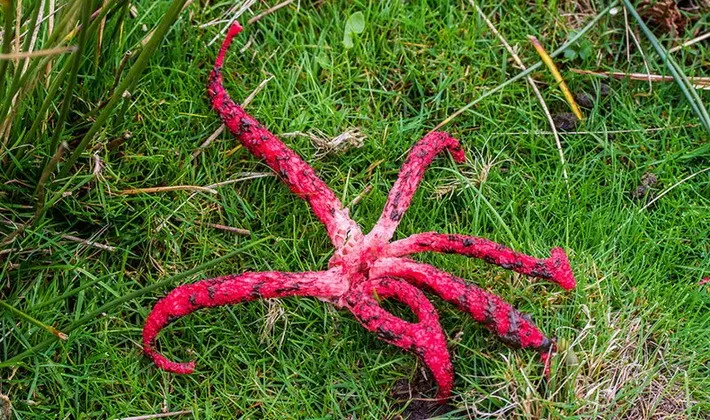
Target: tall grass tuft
53, 52
681, 79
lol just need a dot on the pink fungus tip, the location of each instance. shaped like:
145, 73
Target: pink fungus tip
234, 29
561, 269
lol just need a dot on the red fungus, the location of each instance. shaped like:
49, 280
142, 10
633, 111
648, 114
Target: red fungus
367, 267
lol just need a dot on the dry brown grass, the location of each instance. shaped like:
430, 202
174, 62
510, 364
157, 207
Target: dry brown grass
351, 138
472, 173
614, 368
274, 313
630, 362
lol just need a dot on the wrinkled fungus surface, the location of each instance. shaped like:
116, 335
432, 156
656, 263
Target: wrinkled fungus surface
367, 267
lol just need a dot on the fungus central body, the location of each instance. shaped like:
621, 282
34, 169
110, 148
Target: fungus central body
367, 268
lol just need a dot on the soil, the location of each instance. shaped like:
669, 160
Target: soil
416, 397
565, 121
644, 189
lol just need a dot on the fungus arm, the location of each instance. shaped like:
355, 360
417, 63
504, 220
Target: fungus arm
424, 338
229, 290
300, 178
508, 324
411, 174
556, 268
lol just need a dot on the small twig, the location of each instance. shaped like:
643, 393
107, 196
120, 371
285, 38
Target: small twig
687, 178
247, 45
567, 133
698, 82
238, 231
158, 415
90, 243
209, 140
122, 65
632, 35
360, 196
689, 43
532, 84
195, 188
243, 8
269, 11
34, 321
244, 176
38, 53
8, 250
221, 128
558, 77
256, 91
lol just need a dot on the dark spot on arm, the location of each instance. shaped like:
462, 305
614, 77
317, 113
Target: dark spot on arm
287, 289
387, 335
462, 301
256, 292
395, 201
490, 312
540, 270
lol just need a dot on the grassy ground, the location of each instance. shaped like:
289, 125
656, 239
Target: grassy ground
635, 332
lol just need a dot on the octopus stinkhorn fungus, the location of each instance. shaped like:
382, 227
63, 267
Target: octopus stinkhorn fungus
367, 267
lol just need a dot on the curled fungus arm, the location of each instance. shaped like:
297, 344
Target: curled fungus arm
508, 324
425, 338
229, 290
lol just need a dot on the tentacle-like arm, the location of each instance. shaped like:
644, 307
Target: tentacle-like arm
556, 268
297, 174
411, 174
511, 326
228, 290
425, 338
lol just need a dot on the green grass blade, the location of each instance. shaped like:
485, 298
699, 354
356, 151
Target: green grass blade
28, 318
71, 84
9, 12
65, 110
681, 79
128, 82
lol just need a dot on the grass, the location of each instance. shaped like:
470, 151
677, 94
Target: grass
636, 331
